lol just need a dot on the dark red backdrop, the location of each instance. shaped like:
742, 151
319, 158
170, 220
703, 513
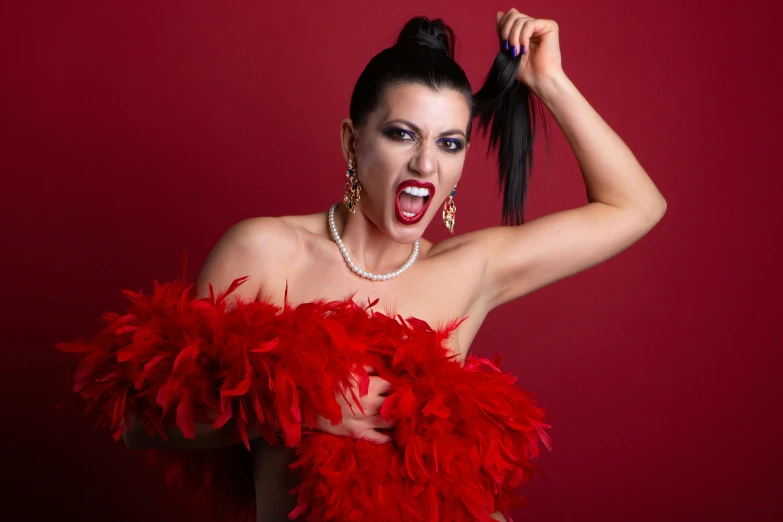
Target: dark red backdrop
134, 130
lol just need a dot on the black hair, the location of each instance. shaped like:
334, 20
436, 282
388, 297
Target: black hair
505, 108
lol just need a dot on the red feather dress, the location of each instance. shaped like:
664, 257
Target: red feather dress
464, 438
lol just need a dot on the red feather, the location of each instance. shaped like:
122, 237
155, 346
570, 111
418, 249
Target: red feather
464, 436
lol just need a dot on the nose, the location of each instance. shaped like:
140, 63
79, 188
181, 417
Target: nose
424, 162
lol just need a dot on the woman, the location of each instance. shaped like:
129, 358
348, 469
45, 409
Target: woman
405, 145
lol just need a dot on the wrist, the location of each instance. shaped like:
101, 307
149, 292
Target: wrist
550, 88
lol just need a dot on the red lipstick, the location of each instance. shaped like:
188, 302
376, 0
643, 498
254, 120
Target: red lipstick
398, 212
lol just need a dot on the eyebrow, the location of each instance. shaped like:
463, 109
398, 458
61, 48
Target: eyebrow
417, 129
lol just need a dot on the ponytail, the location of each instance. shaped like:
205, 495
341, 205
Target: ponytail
509, 112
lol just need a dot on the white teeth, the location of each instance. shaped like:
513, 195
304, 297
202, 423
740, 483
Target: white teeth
417, 191
407, 214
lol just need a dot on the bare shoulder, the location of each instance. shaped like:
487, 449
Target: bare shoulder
250, 248
449, 244
461, 258
306, 224
464, 249
260, 239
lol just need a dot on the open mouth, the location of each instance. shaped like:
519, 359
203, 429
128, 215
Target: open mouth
411, 206
413, 199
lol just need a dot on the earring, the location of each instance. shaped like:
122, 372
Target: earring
449, 210
352, 188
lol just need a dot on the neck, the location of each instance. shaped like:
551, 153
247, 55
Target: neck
369, 247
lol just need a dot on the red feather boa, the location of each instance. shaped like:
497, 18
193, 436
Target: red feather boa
464, 438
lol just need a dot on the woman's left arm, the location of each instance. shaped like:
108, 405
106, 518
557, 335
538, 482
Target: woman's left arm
623, 202
497, 515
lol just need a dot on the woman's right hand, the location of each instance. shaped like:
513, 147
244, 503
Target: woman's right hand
358, 425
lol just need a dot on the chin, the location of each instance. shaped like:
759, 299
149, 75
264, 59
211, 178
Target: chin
408, 233
400, 228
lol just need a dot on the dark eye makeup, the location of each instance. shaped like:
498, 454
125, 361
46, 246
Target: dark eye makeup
452, 145
400, 134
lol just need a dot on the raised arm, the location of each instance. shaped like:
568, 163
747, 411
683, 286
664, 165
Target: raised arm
623, 202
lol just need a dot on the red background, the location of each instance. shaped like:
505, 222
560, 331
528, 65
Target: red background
135, 130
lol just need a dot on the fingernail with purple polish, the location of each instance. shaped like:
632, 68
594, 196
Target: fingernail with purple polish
523, 49
514, 51
505, 45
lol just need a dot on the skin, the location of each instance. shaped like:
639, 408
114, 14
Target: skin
387, 152
466, 274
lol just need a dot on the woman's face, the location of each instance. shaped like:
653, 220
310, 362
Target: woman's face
409, 156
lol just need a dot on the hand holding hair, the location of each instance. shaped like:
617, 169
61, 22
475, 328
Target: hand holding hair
535, 41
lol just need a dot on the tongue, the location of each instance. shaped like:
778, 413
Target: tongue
412, 204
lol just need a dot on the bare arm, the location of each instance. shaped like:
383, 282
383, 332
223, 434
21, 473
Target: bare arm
623, 205
240, 252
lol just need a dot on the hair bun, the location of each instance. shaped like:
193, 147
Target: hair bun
433, 34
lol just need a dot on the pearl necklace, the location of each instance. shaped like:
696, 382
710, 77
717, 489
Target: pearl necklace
356, 269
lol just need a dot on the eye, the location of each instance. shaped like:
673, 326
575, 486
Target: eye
451, 145
399, 134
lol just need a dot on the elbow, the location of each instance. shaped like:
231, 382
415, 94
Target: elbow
645, 216
659, 210
653, 211
660, 202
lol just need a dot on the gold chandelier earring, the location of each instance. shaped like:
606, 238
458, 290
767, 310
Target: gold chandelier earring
352, 188
450, 210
